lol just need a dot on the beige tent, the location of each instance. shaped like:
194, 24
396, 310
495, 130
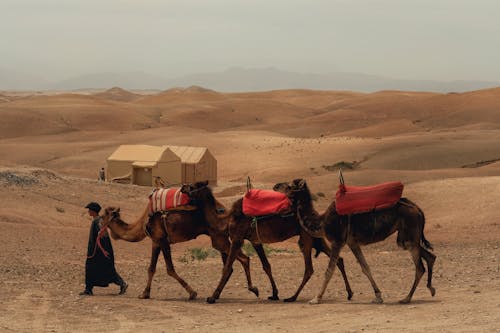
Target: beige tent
140, 164
198, 164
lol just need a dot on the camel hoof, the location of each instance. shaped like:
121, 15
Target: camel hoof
144, 296
433, 291
290, 299
349, 295
314, 301
255, 290
210, 300
405, 301
378, 300
193, 295
273, 298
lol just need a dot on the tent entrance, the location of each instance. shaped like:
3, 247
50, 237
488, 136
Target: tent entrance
143, 176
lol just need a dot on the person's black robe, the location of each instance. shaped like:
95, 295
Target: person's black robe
99, 270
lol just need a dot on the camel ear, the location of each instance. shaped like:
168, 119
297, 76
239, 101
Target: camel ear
185, 188
118, 210
302, 183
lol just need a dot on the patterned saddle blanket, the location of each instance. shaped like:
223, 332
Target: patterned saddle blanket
165, 199
265, 202
362, 199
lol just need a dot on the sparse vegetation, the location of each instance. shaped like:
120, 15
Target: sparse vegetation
341, 165
11, 178
198, 253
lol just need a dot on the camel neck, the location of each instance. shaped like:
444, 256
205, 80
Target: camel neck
129, 232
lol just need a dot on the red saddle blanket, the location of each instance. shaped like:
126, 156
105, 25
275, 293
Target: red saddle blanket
361, 199
167, 198
265, 202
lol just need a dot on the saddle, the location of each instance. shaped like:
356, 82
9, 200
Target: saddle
168, 199
362, 199
265, 202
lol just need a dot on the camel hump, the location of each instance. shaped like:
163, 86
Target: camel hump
362, 199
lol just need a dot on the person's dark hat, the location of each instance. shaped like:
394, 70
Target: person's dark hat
94, 206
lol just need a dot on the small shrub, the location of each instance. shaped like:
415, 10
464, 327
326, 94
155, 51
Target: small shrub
341, 165
199, 254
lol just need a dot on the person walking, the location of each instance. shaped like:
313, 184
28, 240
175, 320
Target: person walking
102, 175
100, 268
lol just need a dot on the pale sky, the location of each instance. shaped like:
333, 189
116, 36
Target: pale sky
417, 39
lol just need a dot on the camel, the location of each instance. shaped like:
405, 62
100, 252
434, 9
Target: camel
176, 227
405, 217
273, 229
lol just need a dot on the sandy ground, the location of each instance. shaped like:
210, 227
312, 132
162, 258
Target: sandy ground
448, 161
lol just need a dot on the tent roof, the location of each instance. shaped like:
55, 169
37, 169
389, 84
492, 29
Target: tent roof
146, 153
188, 154
146, 164
137, 153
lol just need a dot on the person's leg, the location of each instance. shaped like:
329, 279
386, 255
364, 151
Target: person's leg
88, 290
123, 285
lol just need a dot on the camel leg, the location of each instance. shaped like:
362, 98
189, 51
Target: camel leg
165, 248
267, 268
334, 256
340, 264
234, 249
356, 250
223, 245
305, 245
419, 271
155, 252
245, 262
429, 258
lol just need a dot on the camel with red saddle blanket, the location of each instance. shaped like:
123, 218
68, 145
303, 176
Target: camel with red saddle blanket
169, 218
366, 215
261, 217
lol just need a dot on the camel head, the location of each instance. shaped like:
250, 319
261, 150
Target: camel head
282, 187
297, 191
300, 191
193, 188
199, 192
291, 189
111, 214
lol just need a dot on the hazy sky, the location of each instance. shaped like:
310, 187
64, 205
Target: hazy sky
414, 39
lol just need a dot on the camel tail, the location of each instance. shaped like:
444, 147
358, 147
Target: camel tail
425, 242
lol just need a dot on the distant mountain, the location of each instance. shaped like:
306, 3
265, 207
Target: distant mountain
240, 79
118, 94
14, 80
131, 80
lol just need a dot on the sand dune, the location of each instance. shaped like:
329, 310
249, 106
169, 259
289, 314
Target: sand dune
443, 147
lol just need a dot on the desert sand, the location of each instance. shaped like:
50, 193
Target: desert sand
445, 148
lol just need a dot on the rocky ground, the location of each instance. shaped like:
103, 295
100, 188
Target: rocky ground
42, 254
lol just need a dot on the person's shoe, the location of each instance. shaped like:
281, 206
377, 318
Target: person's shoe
123, 288
86, 293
